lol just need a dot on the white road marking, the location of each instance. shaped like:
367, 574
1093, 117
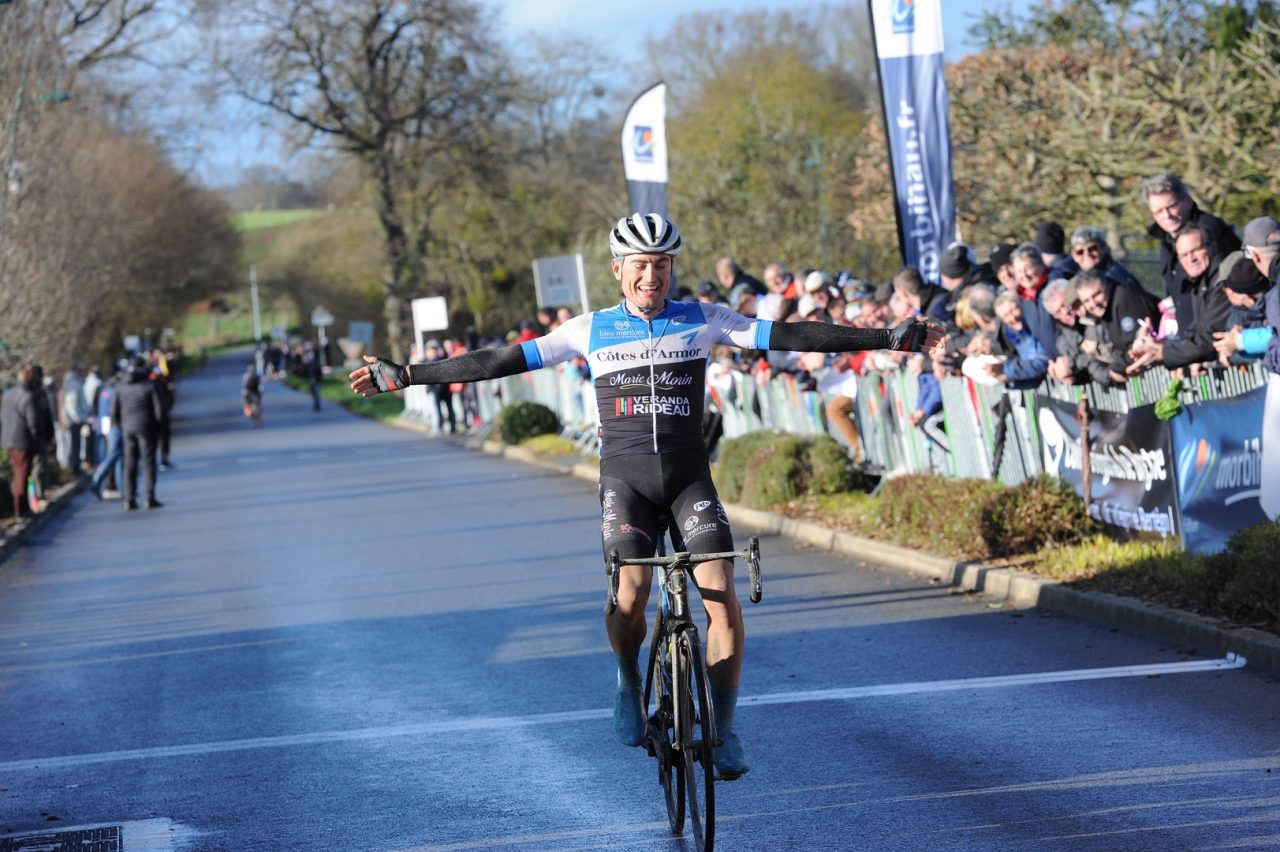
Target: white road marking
1231, 661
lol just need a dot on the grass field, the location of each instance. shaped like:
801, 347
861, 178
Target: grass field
258, 220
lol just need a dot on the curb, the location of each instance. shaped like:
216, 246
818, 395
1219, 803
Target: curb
1197, 634
59, 498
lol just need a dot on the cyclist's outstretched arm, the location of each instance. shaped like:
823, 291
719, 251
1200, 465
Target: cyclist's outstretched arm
917, 334
381, 375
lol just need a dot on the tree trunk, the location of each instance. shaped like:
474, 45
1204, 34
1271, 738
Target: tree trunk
397, 281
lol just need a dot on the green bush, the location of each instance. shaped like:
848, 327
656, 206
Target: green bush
1247, 573
765, 469
936, 513
523, 420
1038, 512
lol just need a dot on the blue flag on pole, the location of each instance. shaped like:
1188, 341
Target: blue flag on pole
908, 41
644, 151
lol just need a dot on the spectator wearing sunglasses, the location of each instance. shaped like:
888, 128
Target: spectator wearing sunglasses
1090, 250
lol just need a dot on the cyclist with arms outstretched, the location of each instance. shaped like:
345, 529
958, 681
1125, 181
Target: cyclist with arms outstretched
648, 358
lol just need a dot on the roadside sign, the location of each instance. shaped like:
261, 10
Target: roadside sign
320, 317
361, 330
430, 313
560, 281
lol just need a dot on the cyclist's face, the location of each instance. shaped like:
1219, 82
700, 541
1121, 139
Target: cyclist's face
645, 279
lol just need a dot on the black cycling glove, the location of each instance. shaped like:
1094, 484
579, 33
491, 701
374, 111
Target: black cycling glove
388, 375
910, 335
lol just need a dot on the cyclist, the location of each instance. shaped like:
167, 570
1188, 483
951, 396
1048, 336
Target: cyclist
648, 357
251, 394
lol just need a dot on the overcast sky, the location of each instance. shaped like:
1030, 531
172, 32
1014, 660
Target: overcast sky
624, 26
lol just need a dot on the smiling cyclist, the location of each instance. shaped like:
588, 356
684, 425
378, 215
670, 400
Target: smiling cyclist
648, 358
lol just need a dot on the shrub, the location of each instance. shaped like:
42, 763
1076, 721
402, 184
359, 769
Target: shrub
1247, 573
523, 420
1037, 512
764, 469
937, 513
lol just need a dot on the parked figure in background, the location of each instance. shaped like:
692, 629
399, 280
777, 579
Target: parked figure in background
138, 409
20, 434
162, 377
313, 370
73, 414
110, 469
45, 392
440, 391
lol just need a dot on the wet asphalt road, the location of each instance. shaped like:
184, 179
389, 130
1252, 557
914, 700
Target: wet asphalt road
338, 635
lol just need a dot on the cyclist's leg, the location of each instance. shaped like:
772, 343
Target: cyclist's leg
701, 520
628, 524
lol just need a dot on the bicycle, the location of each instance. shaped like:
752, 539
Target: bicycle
681, 731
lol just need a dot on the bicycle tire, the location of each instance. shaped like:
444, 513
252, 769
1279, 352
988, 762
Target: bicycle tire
697, 739
671, 774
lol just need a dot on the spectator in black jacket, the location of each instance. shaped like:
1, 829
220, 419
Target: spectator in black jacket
138, 408
1049, 239
1171, 207
1245, 287
1120, 313
1206, 307
1090, 249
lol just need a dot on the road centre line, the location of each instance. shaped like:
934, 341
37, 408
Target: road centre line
1231, 661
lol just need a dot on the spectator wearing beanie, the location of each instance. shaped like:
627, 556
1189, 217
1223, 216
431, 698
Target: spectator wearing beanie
1245, 287
1000, 260
1050, 239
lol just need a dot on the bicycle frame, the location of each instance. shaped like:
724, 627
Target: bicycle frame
682, 704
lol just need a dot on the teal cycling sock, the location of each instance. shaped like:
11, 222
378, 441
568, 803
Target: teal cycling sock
629, 671
725, 701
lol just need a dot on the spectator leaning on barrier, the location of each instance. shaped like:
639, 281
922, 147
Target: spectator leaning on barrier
1090, 250
1049, 239
709, 293
742, 298
1204, 301
1072, 364
1120, 314
1172, 210
1024, 359
1262, 245
1245, 287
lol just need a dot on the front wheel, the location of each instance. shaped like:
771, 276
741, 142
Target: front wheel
662, 731
697, 739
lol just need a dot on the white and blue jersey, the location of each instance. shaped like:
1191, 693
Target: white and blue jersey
649, 375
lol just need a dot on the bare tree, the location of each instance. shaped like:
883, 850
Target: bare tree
408, 88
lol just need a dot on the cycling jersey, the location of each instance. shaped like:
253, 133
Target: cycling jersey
649, 374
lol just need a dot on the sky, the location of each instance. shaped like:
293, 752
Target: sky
241, 145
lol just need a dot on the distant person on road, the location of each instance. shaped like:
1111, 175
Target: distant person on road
111, 468
654, 458
138, 408
251, 393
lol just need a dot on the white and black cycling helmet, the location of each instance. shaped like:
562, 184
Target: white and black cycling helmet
644, 233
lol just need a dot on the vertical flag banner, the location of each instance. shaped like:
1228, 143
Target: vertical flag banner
908, 42
644, 151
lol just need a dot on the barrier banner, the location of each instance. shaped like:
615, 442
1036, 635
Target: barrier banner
644, 151
1132, 480
909, 49
1218, 446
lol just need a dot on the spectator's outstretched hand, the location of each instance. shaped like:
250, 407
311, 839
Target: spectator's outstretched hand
379, 376
919, 334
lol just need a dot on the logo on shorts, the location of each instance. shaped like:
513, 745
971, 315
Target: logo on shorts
690, 522
700, 505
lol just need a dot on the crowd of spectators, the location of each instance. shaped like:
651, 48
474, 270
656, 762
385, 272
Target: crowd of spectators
1047, 308
77, 428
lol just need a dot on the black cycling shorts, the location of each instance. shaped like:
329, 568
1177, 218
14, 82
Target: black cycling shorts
638, 489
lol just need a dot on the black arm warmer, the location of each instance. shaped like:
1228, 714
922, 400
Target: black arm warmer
470, 367
820, 337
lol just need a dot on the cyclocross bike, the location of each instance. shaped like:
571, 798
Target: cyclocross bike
682, 728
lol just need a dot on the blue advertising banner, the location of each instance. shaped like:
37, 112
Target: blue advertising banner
909, 48
1132, 481
1218, 446
644, 151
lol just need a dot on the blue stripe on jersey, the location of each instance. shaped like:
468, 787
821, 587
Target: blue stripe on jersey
532, 356
616, 326
763, 329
